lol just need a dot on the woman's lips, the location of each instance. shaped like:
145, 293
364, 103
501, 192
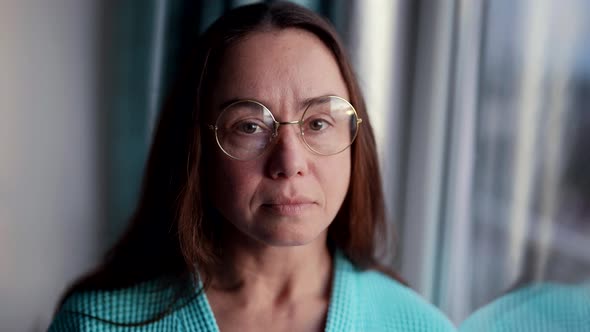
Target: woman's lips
288, 209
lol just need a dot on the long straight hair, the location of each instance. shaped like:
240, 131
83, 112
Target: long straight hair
172, 235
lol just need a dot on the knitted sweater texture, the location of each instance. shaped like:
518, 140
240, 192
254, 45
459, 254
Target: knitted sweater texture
360, 301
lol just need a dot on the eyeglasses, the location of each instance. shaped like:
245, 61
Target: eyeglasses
245, 129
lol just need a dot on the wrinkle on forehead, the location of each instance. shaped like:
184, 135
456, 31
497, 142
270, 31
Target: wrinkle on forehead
279, 68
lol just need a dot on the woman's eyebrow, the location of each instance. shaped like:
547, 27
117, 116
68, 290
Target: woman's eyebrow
302, 105
228, 102
308, 101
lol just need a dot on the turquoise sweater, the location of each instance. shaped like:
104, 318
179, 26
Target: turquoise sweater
542, 307
360, 301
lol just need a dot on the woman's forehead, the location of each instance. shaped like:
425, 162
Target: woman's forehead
277, 67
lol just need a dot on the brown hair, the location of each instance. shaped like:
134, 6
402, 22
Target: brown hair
171, 232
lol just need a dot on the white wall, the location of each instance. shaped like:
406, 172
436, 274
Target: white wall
49, 216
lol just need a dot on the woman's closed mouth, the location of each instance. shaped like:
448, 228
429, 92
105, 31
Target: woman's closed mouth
289, 206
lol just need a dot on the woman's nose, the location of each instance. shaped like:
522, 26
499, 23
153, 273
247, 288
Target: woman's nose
288, 156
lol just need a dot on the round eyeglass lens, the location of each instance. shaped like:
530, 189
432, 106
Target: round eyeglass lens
329, 125
244, 129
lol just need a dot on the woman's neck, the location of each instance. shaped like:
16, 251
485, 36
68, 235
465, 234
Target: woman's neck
260, 275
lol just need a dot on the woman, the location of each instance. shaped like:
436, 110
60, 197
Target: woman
261, 200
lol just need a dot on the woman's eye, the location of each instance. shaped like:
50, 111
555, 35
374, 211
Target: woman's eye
249, 127
318, 124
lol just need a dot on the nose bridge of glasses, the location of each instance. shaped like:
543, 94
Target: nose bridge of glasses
278, 124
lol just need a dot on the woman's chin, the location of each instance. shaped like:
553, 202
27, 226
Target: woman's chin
287, 236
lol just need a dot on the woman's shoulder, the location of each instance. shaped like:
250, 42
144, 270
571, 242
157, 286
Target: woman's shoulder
114, 310
398, 305
387, 305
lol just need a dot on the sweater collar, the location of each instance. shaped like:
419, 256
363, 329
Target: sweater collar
198, 315
342, 299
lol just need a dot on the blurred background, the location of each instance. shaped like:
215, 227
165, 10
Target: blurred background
480, 110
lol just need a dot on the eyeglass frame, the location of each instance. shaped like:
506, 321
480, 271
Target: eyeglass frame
277, 125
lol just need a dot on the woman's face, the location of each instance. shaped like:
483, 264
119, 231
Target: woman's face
288, 195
